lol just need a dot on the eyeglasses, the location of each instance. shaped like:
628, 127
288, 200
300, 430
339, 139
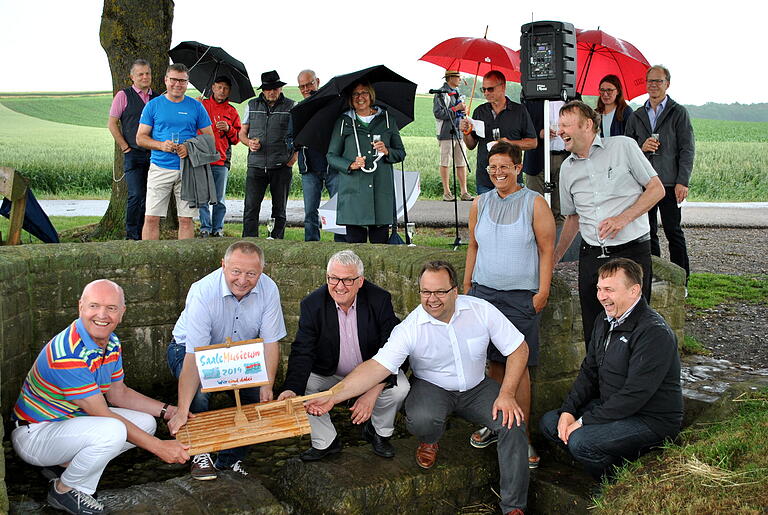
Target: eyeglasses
440, 294
658, 82
360, 94
236, 272
490, 88
307, 85
498, 170
346, 281
607, 90
177, 81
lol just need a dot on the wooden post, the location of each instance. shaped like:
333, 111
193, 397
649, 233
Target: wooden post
14, 187
240, 418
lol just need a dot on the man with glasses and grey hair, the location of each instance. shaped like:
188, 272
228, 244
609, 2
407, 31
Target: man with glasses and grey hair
446, 339
236, 301
503, 119
342, 324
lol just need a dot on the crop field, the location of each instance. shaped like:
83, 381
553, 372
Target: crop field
61, 143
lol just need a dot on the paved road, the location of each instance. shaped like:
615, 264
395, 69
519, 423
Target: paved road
435, 213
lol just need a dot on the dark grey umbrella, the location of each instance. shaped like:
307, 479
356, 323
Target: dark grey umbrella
314, 117
207, 62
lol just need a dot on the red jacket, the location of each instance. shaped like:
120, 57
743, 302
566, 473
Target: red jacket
226, 113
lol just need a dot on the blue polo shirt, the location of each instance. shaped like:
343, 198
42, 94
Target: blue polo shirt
212, 313
166, 117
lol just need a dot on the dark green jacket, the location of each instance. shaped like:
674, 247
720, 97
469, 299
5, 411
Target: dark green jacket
365, 198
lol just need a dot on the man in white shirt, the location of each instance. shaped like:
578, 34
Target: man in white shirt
445, 340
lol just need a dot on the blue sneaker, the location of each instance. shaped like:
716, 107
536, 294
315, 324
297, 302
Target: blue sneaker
74, 502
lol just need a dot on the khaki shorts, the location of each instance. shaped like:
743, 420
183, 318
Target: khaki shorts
445, 153
161, 184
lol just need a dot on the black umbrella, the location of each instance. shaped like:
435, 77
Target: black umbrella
314, 117
205, 63
36, 222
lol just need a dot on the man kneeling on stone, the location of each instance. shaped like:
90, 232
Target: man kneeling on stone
627, 396
445, 339
235, 301
63, 422
341, 324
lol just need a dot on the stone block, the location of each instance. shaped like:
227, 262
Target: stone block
229, 494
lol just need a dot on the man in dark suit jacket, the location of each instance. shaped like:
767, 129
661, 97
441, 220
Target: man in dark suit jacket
341, 325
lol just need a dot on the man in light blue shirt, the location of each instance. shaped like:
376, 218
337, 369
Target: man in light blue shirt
236, 301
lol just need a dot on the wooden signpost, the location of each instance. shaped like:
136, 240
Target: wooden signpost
231, 366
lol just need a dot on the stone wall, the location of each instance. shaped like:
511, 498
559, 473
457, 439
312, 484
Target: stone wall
40, 285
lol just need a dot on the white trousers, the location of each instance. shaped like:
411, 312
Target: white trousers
382, 418
87, 443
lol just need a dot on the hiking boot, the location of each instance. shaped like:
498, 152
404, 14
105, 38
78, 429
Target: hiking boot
74, 501
202, 467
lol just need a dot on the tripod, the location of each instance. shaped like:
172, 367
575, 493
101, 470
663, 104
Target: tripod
454, 142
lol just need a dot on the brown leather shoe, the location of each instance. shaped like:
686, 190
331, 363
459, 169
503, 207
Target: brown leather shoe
426, 455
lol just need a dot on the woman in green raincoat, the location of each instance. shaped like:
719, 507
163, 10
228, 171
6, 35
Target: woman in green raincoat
364, 144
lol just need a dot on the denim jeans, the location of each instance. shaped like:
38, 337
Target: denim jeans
135, 166
312, 185
220, 174
599, 447
228, 457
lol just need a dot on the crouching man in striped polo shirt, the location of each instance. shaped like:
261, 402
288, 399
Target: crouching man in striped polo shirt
63, 422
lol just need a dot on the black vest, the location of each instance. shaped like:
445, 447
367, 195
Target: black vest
129, 120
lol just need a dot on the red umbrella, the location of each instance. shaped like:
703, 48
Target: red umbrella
476, 56
599, 54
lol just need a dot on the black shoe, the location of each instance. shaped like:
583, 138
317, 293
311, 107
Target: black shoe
205, 234
313, 454
380, 444
74, 502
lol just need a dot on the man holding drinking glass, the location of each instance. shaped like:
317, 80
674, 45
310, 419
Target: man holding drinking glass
166, 123
663, 130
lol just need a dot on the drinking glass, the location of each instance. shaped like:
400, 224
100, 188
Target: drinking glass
496, 134
375, 138
410, 229
656, 137
270, 227
175, 138
601, 241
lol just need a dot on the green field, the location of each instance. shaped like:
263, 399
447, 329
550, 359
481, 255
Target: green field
61, 143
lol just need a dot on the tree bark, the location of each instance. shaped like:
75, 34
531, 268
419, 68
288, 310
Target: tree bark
130, 30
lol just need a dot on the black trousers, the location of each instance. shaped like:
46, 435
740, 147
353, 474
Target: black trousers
589, 263
670, 220
363, 233
256, 182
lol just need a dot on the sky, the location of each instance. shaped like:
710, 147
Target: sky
713, 50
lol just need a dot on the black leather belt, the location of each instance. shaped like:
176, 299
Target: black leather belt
560, 152
612, 249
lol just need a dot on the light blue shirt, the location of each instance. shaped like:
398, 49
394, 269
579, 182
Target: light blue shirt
654, 115
212, 313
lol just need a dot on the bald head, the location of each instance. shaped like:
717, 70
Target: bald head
103, 286
101, 309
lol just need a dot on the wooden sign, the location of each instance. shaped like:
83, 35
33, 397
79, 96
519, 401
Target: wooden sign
231, 365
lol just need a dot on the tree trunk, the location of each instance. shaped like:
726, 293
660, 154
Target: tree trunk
130, 30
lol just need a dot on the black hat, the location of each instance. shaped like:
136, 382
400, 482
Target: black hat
271, 80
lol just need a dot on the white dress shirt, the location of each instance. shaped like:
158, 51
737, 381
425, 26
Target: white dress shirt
451, 356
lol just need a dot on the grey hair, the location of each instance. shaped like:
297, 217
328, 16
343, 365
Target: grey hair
308, 71
246, 247
662, 69
140, 62
346, 258
117, 287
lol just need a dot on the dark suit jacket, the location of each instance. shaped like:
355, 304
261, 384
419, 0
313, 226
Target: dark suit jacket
316, 347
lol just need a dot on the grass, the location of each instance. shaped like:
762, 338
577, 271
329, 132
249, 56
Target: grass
60, 142
719, 467
709, 290
692, 346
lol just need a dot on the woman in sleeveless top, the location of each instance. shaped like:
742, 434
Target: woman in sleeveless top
509, 264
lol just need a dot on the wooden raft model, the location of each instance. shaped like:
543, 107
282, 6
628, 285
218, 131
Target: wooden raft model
244, 425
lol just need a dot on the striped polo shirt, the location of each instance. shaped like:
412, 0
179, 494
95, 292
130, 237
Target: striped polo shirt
70, 366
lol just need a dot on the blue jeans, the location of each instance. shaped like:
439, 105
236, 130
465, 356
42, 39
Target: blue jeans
600, 447
312, 185
228, 457
135, 166
220, 174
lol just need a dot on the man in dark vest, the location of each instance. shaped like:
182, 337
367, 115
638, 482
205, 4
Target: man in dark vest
126, 108
267, 132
